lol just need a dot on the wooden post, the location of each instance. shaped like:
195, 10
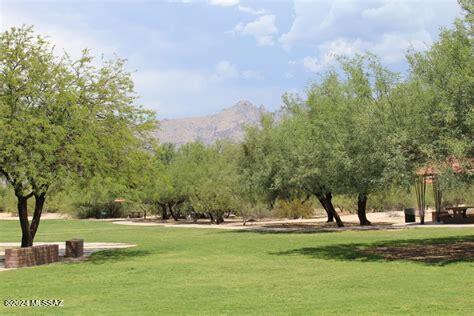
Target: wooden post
420, 189
437, 198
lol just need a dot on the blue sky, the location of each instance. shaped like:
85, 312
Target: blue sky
193, 58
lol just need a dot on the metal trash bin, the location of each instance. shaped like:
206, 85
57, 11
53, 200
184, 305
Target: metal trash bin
410, 215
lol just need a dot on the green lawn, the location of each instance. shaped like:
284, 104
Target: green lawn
209, 271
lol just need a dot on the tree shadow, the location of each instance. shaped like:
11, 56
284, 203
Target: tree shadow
266, 231
115, 255
312, 228
433, 251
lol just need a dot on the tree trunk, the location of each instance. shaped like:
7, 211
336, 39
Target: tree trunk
332, 210
164, 213
361, 209
323, 204
26, 238
211, 217
39, 203
219, 219
173, 214
327, 201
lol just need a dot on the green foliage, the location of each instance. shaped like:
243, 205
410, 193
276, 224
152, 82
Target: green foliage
253, 211
64, 120
100, 210
294, 209
214, 178
72, 129
442, 86
4, 198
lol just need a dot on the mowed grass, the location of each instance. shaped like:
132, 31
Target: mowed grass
210, 271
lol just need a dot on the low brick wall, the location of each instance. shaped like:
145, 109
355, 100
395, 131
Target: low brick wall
31, 256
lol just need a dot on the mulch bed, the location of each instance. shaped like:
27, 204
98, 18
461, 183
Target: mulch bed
322, 225
427, 253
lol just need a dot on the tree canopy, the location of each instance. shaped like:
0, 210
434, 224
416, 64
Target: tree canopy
60, 117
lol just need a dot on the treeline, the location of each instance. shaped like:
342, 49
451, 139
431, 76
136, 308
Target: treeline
360, 130
71, 130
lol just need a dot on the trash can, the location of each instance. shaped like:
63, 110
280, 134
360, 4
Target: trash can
410, 215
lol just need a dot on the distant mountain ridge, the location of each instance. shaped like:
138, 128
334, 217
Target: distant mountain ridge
228, 124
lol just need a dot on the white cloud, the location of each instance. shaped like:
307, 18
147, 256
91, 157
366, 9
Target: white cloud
224, 3
252, 75
240, 7
263, 29
391, 48
169, 81
321, 21
180, 1
224, 70
387, 28
179, 92
251, 10
311, 64
72, 39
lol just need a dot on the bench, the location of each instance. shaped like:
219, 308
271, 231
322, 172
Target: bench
459, 215
136, 215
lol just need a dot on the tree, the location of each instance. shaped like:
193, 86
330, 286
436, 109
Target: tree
279, 163
315, 170
343, 134
215, 184
372, 154
60, 118
442, 84
166, 187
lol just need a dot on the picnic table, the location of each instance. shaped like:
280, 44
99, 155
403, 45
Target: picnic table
459, 215
137, 215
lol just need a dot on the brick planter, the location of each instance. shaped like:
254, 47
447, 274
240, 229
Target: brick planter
74, 248
31, 256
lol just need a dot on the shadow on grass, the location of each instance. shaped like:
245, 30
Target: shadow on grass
312, 228
116, 255
433, 251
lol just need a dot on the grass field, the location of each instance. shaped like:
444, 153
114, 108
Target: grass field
210, 271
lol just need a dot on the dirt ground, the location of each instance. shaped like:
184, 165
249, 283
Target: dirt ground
427, 253
380, 220
44, 216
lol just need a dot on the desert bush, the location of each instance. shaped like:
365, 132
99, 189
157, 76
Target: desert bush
393, 199
294, 208
457, 188
101, 210
256, 211
7, 200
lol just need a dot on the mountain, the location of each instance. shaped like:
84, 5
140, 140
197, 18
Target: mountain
227, 124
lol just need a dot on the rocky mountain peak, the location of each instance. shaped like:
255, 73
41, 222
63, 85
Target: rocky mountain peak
227, 124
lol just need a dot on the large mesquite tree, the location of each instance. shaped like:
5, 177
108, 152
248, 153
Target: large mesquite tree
349, 130
440, 93
60, 118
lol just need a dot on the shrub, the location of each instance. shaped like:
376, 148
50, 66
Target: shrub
293, 208
101, 210
249, 211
